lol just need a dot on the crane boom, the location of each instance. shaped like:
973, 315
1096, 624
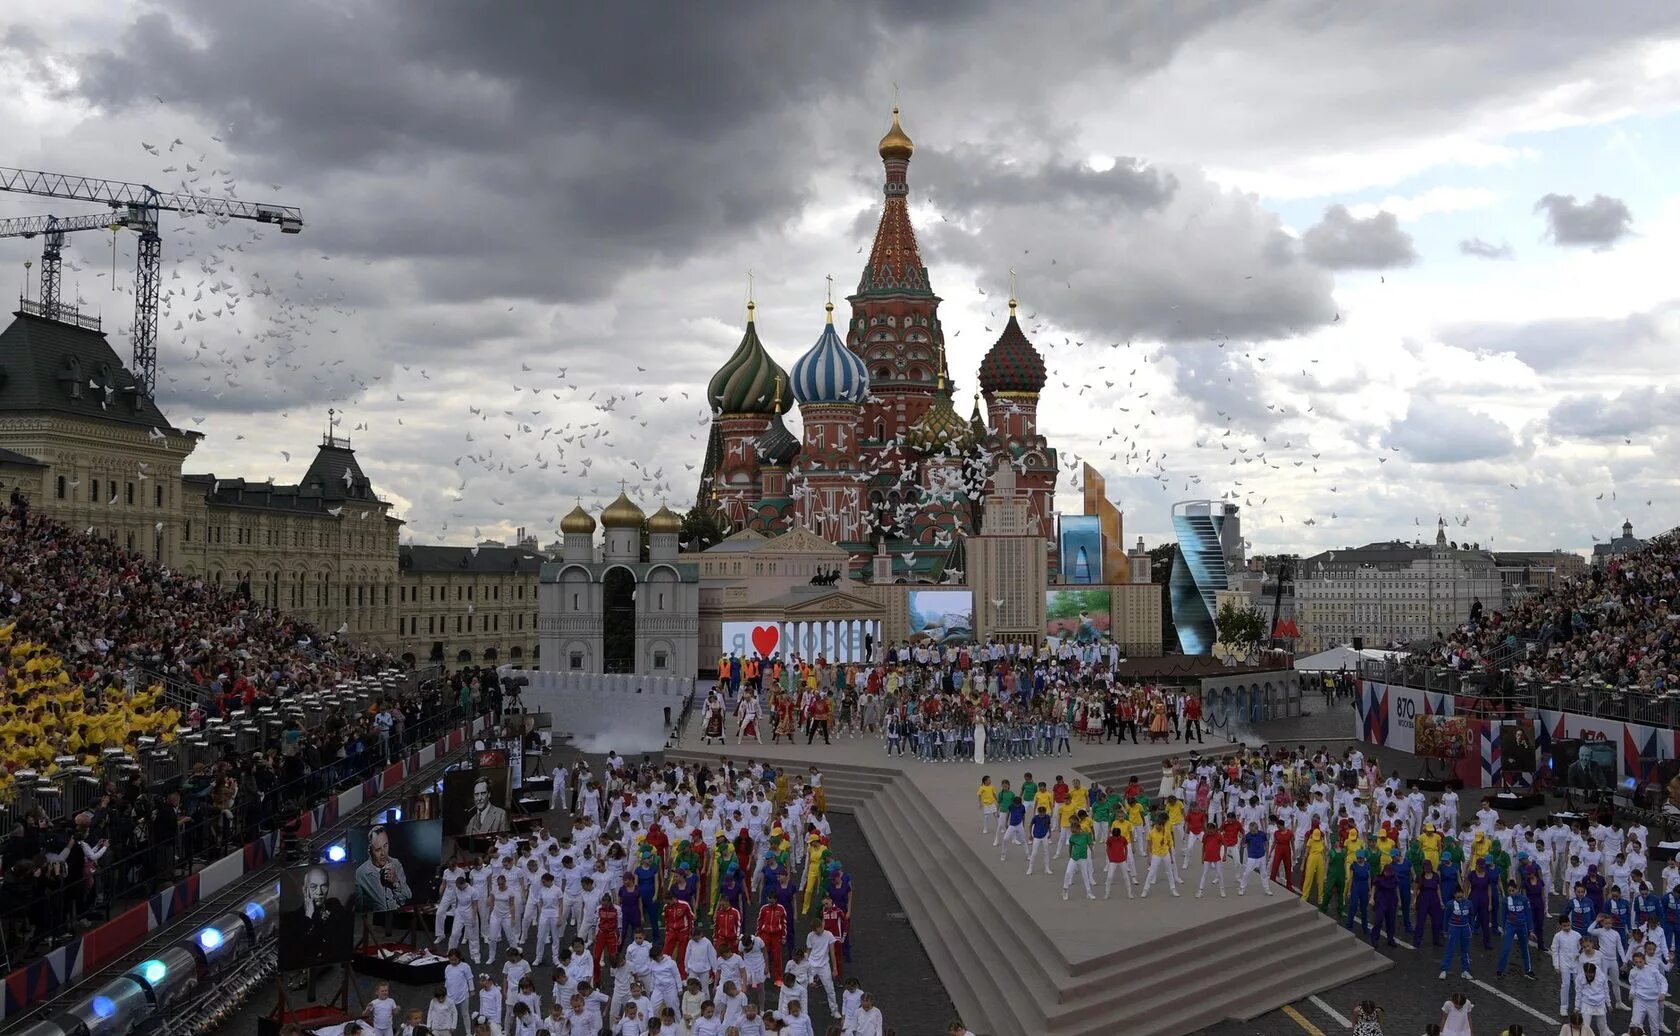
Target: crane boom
117, 193
142, 204
30, 226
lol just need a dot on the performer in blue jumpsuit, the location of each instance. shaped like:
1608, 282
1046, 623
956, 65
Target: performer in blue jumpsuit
1618, 907
1646, 903
1359, 894
1594, 882
1451, 873
1516, 928
1458, 934
1403, 874
1482, 891
1582, 911
1671, 915
1387, 895
647, 889
1429, 904
1534, 887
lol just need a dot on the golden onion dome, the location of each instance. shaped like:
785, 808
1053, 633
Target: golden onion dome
577, 522
896, 144
664, 521
622, 514
940, 430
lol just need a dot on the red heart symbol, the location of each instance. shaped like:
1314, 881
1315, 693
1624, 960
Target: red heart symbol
764, 639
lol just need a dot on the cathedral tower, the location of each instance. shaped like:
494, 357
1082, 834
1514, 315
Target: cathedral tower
744, 397
831, 384
894, 327
1011, 377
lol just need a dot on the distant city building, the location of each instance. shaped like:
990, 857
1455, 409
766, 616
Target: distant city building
1626, 543
614, 612
1522, 572
1392, 592
1209, 548
468, 604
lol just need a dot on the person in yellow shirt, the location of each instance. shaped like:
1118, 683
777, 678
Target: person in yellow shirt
1317, 866
1066, 821
1430, 840
988, 805
1175, 817
1160, 856
1043, 799
1079, 795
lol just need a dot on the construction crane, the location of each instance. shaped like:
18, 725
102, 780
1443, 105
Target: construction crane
51, 230
140, 207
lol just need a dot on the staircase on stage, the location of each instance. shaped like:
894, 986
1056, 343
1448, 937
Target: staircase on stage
1015, 957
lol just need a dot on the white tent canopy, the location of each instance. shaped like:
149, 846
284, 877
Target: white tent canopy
1337, 658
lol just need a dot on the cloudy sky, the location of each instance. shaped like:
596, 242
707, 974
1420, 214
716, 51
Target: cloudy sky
1355, 265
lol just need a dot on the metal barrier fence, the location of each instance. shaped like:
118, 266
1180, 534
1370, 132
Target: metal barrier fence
132, 870
1628, 704
74, 786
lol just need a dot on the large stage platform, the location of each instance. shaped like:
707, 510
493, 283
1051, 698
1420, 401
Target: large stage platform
1015, 957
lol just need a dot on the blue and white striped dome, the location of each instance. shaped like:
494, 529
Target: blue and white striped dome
829, 372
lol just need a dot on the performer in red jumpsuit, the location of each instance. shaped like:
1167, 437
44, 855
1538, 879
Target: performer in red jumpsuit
679, 921
1283, 854
773, 929
834, 922
726, 928
606, 935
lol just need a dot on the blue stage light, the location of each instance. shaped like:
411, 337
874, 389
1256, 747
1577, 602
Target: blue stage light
153, 971
336, 853
103, 1007
210, 938
254, 911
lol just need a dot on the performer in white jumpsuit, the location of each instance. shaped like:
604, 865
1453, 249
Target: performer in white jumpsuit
465, 913
546, 905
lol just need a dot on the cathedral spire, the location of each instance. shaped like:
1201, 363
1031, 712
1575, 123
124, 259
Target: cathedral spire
895, 261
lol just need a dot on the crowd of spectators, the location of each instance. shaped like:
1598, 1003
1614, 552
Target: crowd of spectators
89, 633
1614, 626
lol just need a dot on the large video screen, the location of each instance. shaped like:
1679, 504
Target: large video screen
941, 616
317, 915
396, 864
475, 801
1082, 615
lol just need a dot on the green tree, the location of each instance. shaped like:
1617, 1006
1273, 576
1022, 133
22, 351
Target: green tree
1241, 629
702, 528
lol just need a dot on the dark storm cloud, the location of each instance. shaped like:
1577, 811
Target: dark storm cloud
1626, 414
1632, 342
1597, 224
1131, 251
1475, 246
1342, 241
1445, 433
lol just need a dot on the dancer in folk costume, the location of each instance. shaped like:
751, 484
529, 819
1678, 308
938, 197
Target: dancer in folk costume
786, 710
746, 714
713, 728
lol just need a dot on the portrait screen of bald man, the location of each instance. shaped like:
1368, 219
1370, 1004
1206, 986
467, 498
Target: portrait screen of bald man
317, 921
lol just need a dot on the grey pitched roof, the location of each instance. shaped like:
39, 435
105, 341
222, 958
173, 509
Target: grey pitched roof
422, 558
14, 457
239, 492
326, 475
48, 366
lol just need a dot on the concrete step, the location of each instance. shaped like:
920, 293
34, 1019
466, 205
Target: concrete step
1246, 997
1109, 990
981, 989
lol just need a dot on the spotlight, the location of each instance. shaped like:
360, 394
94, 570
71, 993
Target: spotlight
254, 911
103, 1007
153, 971
210, 938
336, 853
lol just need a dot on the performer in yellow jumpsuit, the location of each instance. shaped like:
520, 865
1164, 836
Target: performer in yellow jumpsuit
816, 854
1313, 872
1430, 841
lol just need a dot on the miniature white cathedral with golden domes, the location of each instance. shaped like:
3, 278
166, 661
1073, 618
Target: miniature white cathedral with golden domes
590, 599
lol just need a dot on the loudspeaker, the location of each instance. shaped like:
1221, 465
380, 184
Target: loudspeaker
1359, 643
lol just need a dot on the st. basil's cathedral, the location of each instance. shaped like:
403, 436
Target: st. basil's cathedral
885, 462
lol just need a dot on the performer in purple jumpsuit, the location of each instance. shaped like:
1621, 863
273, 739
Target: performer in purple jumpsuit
1481, 900
1387, 902
1429, 903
